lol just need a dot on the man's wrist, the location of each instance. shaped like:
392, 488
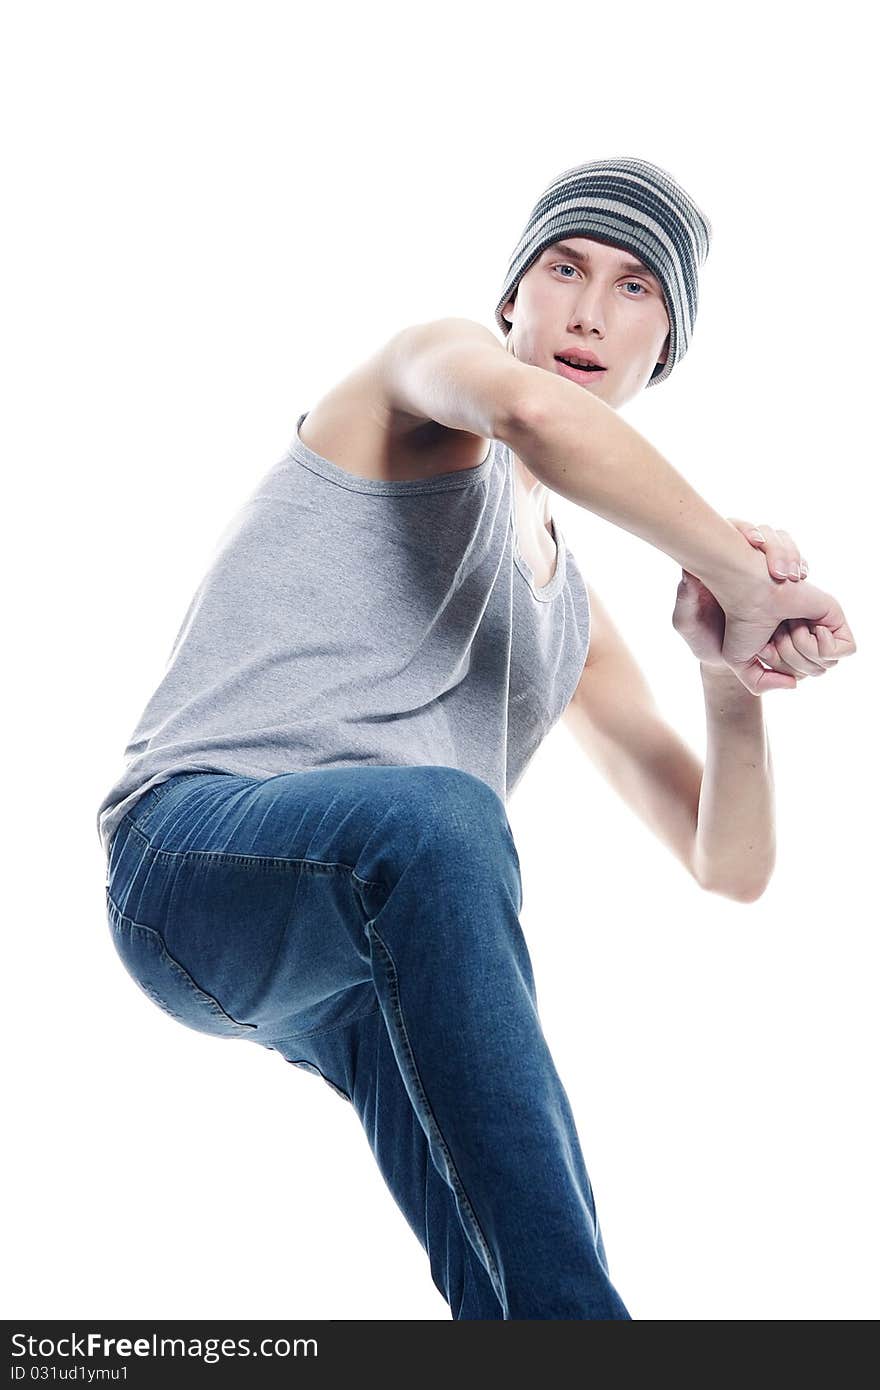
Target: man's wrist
721, 680
738, 579
714, 671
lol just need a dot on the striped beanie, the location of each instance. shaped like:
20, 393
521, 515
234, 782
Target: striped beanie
633, 204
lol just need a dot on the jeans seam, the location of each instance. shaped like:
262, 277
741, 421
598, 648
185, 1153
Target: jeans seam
154, 796
187, 978
320, 1032
260, 860
331, 1027
313, 1067
391, 972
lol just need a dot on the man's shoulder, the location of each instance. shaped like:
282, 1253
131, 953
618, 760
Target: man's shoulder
355, 426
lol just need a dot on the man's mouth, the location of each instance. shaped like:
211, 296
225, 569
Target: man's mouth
579, 366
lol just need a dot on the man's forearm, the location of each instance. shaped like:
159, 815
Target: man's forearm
580, 448
735, 838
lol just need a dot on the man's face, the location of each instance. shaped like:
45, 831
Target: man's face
585, 294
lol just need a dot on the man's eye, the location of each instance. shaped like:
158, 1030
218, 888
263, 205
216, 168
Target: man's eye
564, 265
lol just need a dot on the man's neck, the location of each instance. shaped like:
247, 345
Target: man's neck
537, 493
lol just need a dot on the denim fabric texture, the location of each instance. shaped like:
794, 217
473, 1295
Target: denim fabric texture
364, 923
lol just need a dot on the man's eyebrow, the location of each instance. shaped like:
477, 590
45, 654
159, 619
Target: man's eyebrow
579, 256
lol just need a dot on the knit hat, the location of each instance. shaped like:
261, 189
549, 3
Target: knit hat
630, 203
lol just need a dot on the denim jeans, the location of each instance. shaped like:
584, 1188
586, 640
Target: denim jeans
364, 923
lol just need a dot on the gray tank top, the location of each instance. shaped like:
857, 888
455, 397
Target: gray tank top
346, 621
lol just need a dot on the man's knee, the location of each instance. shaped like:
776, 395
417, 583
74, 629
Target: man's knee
447, 806
453, 824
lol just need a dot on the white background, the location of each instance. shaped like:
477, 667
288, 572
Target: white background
213, 212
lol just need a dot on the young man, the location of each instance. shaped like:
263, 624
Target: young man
309, 846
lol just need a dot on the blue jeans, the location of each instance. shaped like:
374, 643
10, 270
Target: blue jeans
364, 923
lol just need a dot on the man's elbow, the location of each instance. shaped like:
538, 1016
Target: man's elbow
737, 892
742, 883
526, 408
454, 371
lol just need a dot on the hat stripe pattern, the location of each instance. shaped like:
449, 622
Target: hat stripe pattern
634, 204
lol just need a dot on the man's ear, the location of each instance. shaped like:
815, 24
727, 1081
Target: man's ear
664, 352
507, 310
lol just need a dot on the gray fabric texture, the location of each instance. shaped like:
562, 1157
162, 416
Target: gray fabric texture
346, 621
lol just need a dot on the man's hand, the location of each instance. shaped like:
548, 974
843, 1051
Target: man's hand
765, 627
755, 608
794, 650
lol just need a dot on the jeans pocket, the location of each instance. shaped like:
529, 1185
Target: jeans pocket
164, 980
142, 812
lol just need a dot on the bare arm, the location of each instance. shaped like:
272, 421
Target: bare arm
581, 448
453, 371
578, 446
735, 848
456, 372
716, 818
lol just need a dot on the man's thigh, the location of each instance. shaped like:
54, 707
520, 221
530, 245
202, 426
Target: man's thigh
255, 892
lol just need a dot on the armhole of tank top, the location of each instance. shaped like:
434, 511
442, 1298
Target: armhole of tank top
300, 452
559, 579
